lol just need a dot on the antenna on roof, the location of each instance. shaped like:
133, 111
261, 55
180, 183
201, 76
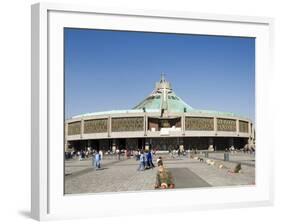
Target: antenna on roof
162, 77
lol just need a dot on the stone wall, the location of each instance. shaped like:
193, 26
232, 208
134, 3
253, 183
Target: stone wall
95, 126
226, 124
199, 123
74, 128
127, 124
243, 126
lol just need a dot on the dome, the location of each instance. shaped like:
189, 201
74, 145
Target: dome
164, 98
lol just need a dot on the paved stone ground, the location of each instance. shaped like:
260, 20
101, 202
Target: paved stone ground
122, 175
243, 158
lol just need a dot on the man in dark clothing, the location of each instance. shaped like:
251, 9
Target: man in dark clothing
150, 159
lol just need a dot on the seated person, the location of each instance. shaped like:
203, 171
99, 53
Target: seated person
164, 178
236, 169
160, 158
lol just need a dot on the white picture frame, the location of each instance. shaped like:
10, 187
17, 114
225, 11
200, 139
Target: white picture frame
48, 201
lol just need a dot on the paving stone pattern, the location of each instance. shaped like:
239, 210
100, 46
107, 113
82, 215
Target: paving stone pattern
122, 175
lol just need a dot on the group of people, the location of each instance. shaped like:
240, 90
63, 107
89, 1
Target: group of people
145, 160
246, 149
81, 154
164, 179
179, 152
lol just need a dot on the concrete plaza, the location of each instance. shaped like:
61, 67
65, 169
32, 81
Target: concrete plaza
122, 175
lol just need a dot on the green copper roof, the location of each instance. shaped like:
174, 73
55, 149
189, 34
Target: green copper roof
163, 97
110, 112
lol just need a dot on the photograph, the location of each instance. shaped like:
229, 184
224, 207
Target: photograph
150, 111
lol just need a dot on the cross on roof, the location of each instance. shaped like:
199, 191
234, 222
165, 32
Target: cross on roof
162, 77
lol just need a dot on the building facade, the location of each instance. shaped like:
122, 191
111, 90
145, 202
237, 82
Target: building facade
161, 121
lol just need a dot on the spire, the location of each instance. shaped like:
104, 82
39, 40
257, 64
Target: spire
162, 77
163, 84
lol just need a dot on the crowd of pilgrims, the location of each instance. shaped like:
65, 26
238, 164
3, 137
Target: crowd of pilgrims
164, 178
118, 154
128, 153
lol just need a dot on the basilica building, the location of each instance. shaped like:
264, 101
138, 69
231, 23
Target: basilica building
162, 121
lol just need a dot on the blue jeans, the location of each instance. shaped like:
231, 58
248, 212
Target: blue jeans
141, 166
97, 164
150, 163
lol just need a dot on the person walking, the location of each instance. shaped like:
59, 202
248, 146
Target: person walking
142, 162
118, 152
150, 160
137, 155
80, 155
146, 164
93, 160
98, 160
101, 154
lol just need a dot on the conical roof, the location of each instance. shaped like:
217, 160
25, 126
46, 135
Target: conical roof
163, 97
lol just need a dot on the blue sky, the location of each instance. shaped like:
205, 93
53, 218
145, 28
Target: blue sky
111, 70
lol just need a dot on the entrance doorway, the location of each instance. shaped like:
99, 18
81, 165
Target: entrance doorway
141, 143
121, 143
164, 144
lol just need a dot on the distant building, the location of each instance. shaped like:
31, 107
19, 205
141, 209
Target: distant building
162, 121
